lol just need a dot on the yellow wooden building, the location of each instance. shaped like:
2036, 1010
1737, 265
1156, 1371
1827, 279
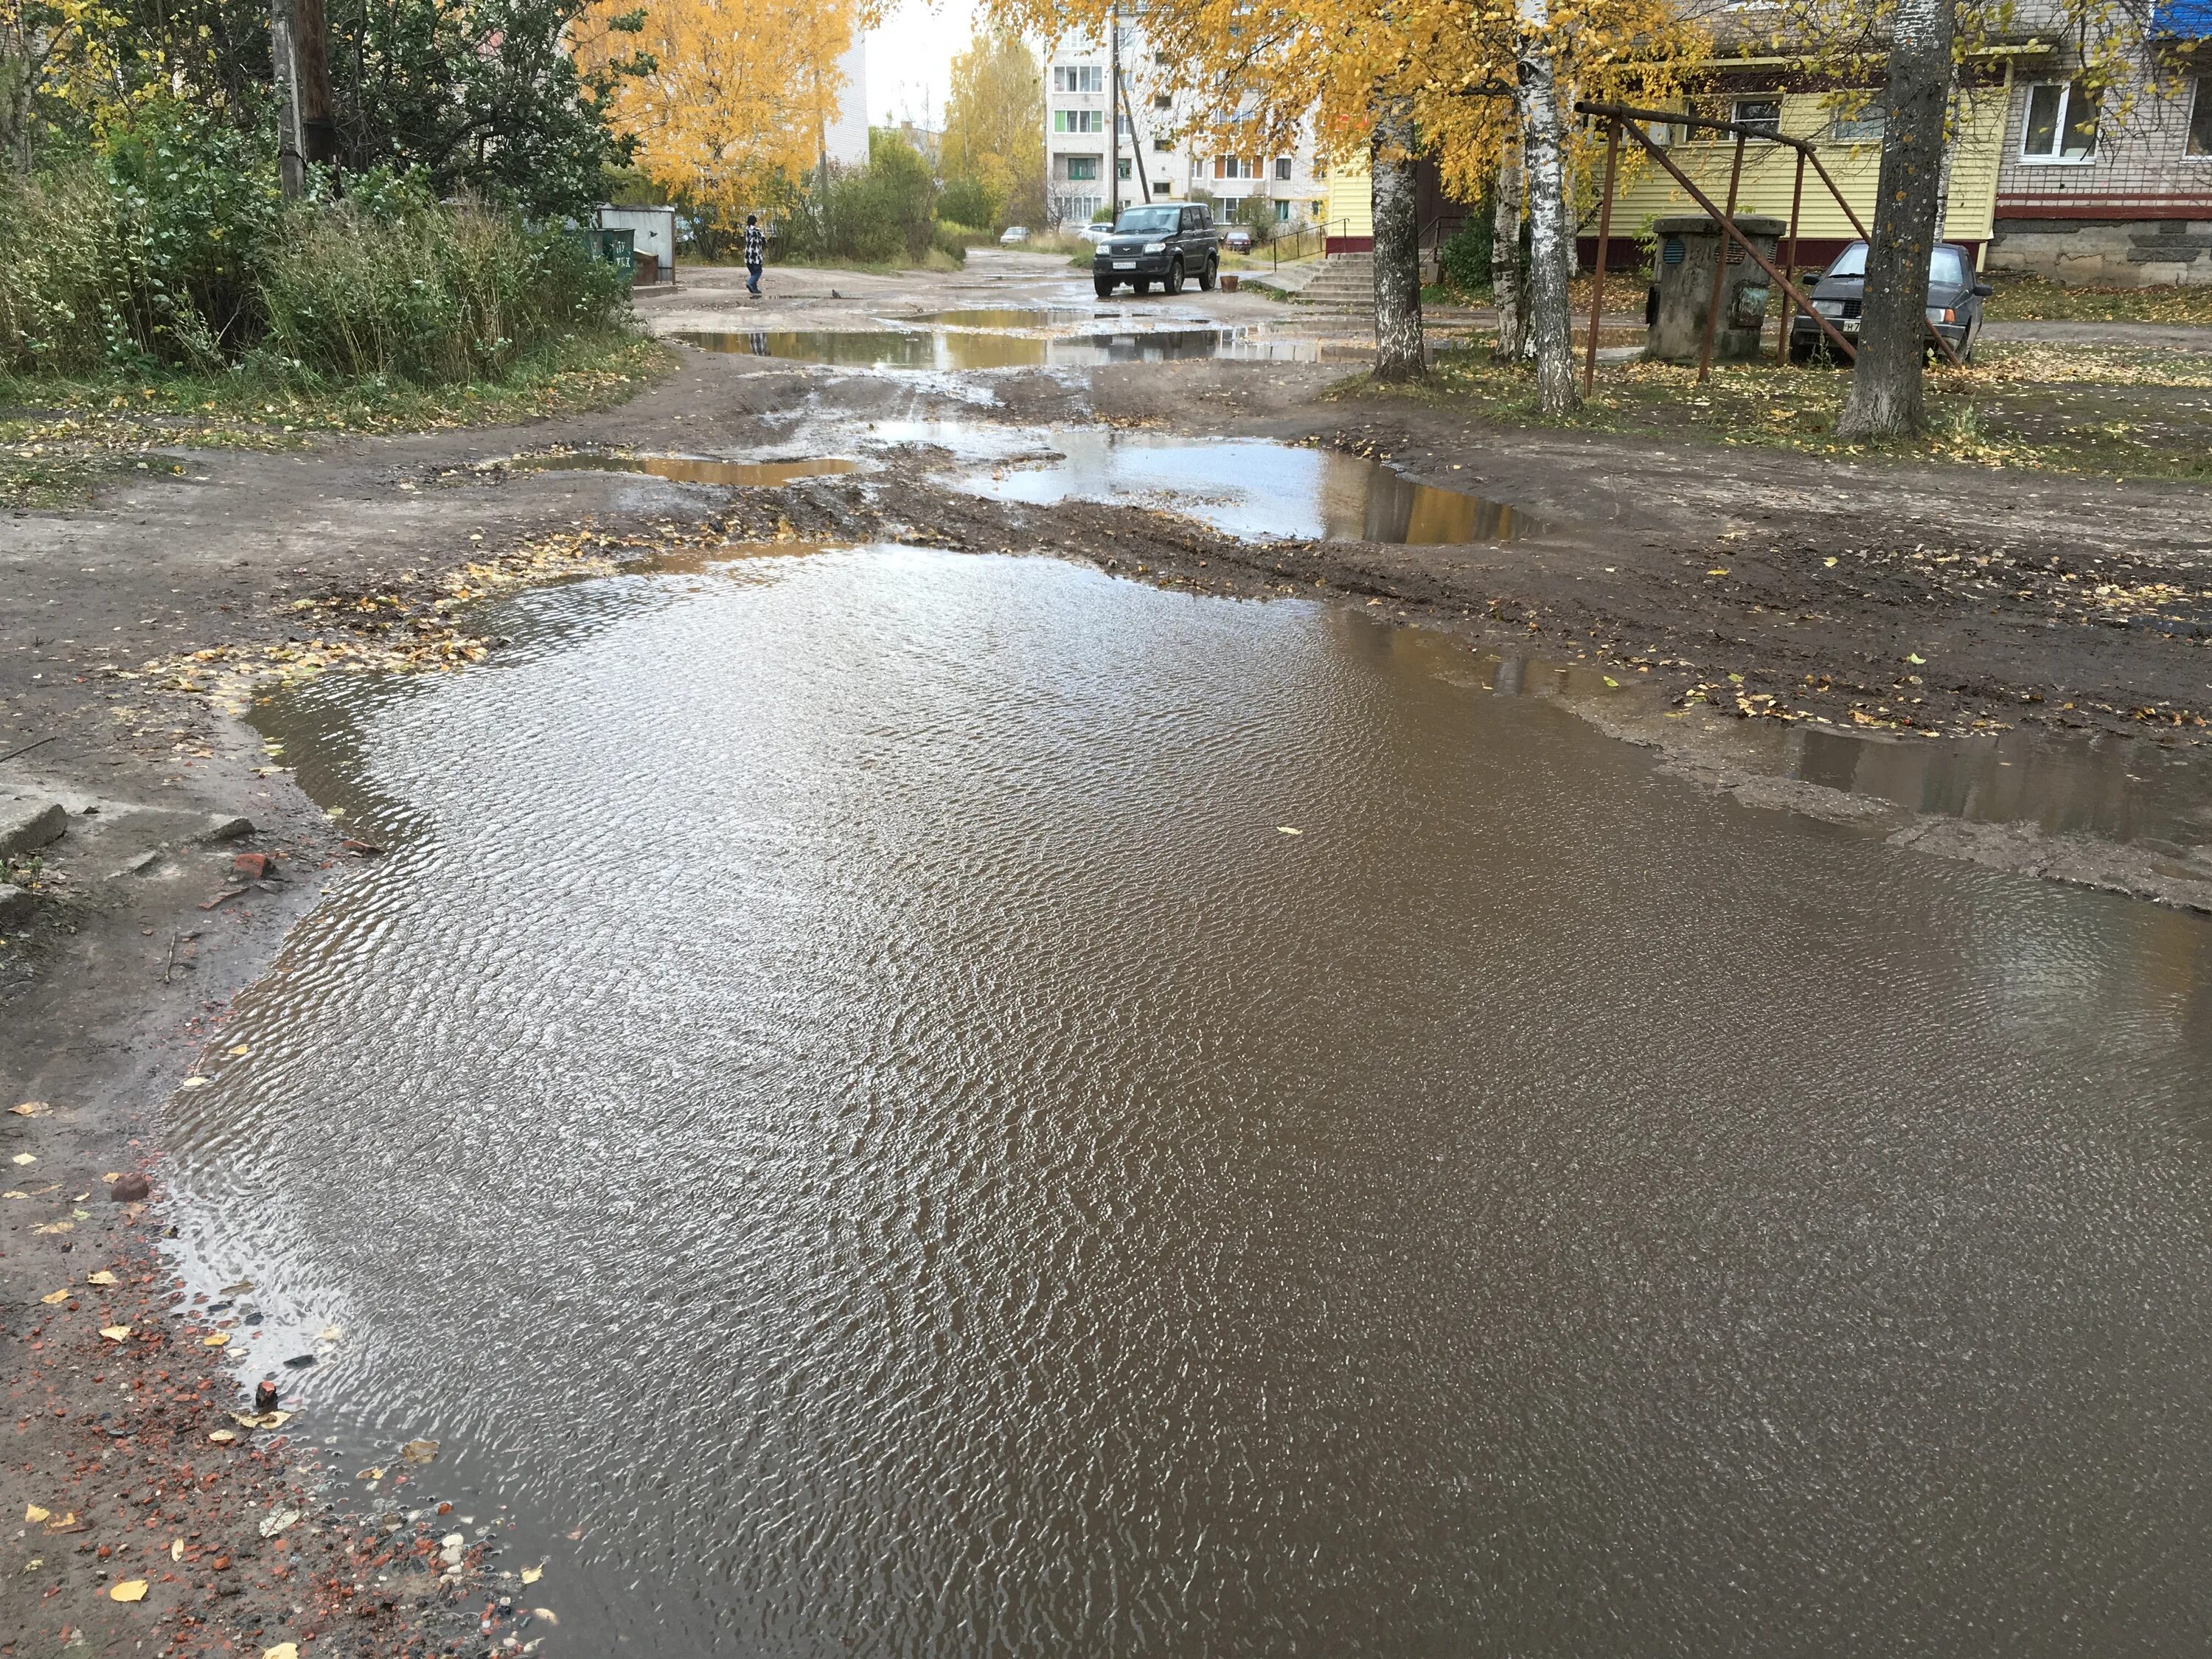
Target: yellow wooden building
1850, 150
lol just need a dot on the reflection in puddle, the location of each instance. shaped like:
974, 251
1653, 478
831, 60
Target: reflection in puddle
1022, 316
689, 469
1267, 491
954, 350
2119, 788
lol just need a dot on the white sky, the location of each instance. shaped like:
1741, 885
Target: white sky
910, 59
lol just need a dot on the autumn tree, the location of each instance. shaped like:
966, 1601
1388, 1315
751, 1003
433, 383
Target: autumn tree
993, 158
738, 99
1464, 82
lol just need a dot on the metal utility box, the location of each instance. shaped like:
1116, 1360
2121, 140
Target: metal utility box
653, 230
618, 247
1682, 284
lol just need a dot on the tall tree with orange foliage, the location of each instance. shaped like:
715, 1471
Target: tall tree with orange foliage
738, 99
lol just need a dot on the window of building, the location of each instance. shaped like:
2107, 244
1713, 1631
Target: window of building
2199, 142
1320, 212
1282, 213
1161, 144
1078, 120
1121, 168
2061, 125
1760, 114
1160, 189
1121, 124
1198, 167
1082, 166
1078, 77
1283, 168
1861, 125
1160, 101
1235, 167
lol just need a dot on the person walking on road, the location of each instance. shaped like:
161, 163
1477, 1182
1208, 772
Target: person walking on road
756, 247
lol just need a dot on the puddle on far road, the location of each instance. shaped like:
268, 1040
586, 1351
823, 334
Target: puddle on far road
1252, 487
956, 350
845, 1107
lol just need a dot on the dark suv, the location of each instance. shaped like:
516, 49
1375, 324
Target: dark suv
1954, 300
1162, 242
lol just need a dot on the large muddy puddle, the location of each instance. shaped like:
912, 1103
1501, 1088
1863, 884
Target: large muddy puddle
850, 1111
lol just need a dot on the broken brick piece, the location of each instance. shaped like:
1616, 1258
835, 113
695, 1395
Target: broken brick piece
254, 866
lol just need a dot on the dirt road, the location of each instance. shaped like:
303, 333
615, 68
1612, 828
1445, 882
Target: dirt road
1729, 581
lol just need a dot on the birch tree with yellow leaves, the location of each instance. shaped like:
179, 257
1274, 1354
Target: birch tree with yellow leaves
738, 97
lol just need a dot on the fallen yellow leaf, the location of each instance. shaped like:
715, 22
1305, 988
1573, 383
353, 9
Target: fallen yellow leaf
1721, 571
282, 1650
176, 1549
34, 1514
531, 1575
31, 1108
25, 1158
131, 1590
115, 1333
56, 1298
219, 1340
544, 1616
103, 1277
223, 1436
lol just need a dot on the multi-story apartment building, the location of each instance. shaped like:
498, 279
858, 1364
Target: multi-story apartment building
1095, 155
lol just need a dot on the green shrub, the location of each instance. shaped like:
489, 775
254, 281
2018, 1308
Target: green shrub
969, 201
153, 254
953, 239
1464, 259
417, 291
140, 253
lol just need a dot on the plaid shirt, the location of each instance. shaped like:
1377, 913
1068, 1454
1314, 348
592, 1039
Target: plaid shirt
756, 244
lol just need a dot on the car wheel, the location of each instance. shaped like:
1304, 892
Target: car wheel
1174, 283
1104, 285
1801, 348
1206, 277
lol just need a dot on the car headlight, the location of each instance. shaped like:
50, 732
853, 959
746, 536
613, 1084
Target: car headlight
1156, 248
1942, 314
1829, 307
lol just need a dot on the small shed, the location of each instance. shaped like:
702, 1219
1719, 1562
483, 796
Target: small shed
653, 232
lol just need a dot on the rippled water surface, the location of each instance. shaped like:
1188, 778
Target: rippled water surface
845, 1108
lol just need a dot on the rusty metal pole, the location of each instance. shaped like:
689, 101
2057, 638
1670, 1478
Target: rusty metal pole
1604, 231
1789, 264
1720, 267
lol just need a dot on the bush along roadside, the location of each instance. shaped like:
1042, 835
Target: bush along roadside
161, 270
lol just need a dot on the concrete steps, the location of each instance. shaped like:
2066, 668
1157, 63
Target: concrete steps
1346, 282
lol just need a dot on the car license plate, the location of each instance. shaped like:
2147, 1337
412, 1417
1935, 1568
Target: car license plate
1848, 325
1125, 264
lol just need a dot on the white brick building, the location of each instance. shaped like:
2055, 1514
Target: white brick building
1088, 153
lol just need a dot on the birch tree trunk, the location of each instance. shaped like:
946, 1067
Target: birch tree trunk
1884, 401
1398, 353
1549, 249
1508, 290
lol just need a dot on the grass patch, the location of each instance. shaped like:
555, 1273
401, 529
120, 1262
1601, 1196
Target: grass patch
2110, 411
61, 436
2031, 299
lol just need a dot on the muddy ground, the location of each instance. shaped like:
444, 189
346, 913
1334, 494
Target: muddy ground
1733, 589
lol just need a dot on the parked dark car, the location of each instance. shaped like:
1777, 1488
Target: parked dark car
1237, 239
1163, 242
1954, 300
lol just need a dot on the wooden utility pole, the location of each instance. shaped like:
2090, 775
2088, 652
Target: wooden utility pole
307, 132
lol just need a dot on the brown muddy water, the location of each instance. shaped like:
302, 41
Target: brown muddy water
847, 1114
689, 469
